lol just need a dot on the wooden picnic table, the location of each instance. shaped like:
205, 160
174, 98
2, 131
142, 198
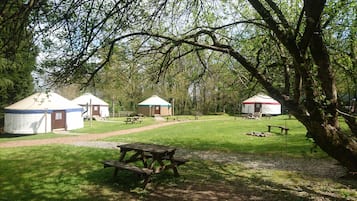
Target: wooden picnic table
155, 159
134, 119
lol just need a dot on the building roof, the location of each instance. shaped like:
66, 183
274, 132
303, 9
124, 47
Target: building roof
261, 98
154, 100
88, 98
43, 101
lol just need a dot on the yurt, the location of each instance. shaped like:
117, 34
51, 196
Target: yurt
92, 105
261, 103
155, 106
42, 113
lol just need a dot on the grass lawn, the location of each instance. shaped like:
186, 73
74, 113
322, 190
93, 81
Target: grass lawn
65, 172
228, 134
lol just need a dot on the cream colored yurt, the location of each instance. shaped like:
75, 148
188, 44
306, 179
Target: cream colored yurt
92, 105
261, 103
42, 113
155, 106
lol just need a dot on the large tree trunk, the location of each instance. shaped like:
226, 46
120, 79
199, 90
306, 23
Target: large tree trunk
332, 140
314, 102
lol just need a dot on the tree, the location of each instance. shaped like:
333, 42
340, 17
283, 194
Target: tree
17, 54
282, 46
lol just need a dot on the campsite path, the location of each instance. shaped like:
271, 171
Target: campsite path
79, 138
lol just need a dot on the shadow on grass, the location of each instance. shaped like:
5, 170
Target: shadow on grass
8, 135
68, 173
205, 180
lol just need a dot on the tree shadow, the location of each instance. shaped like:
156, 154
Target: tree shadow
207, 180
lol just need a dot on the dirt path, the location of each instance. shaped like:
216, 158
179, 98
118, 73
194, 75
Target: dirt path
79, 138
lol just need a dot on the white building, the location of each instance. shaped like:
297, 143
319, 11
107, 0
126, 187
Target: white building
261, 103
92, 105
42, 113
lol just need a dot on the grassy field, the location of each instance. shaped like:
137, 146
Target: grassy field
64, 172
229, 134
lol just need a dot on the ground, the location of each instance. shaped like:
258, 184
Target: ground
243, 188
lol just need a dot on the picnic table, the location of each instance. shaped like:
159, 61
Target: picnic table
154, 159
134, 119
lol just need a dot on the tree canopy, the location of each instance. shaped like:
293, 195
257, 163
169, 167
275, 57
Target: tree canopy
17, 54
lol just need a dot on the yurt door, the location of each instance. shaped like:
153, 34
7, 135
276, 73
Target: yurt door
157, 109
95, 110
58, 119
257, 107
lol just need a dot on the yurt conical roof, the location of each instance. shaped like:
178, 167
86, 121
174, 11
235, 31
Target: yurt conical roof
43, 101
261, 98
154, 100
87, 98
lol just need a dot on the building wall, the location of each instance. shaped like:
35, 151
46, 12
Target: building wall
103, 110
35, 123
145, 110
27, 123
74, 120
150, 110
273, 109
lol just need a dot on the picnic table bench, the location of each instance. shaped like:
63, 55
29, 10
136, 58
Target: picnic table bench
144, 172
154, 158
135, 119
282, 128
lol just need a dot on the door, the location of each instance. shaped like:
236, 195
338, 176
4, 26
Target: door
157, 109
257, 107
95, 110
58, 119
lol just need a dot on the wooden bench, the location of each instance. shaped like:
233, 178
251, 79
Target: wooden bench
125, 166
281, 127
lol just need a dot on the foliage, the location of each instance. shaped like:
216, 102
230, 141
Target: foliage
17, 55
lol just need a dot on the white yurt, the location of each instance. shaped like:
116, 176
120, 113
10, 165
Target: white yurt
261, 103
155, 105
92, 105
42, 113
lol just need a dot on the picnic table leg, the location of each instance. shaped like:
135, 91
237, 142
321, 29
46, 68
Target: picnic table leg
174, 168
121, 158
146, 180
144, 159
268, 128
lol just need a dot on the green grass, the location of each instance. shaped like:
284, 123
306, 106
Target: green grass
228, 134
89, 128
12, 137
111, 125
62, 172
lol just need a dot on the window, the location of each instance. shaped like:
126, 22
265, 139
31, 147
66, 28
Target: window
58, 116
95, 108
